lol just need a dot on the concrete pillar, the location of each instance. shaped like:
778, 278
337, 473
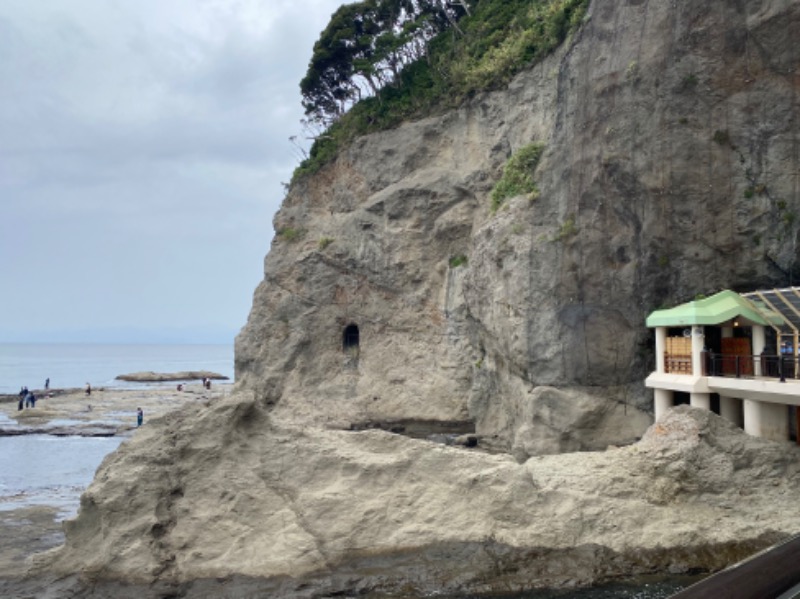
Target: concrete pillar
664, 400
759, 343
731, 410
661, 346
759, 339
700, 400
698, 342
767, 420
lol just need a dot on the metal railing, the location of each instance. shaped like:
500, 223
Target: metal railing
745, 366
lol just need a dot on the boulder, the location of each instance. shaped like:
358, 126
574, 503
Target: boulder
556, 421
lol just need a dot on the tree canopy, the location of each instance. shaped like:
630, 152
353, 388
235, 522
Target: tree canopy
380, 62
365, 47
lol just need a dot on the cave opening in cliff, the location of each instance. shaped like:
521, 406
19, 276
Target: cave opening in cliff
350, 337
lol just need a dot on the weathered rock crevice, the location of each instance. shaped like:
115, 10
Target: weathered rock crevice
670, 169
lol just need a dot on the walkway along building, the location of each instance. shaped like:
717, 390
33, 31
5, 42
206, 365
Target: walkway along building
733, 353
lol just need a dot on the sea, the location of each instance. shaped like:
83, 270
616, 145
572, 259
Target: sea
49, 470
73, 365
54, 471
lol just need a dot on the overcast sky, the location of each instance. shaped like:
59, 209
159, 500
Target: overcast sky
142, 148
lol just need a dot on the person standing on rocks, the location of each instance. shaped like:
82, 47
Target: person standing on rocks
88, 389
139, 416
47, 384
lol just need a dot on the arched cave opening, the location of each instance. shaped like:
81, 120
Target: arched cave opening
350, 337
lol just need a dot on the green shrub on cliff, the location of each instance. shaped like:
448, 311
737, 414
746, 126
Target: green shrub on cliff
481, 50
517, 176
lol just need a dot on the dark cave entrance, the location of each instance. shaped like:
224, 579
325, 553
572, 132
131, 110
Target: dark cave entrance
350, 337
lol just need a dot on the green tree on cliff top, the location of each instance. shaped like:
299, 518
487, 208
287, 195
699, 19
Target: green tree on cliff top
379, 62
365, 47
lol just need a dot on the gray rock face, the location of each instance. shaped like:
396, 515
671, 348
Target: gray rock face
227, 495
556, 421
670, 169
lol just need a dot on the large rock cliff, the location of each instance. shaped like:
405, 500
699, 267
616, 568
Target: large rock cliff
670, 169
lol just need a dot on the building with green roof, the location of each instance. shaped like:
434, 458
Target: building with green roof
734, 352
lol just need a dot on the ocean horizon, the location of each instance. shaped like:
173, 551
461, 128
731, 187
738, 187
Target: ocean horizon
70, 365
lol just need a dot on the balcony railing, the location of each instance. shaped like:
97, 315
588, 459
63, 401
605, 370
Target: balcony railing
744, 366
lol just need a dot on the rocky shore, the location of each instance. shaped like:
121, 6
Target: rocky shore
34, 528
106, 412
394, 294
221, 501
163, 377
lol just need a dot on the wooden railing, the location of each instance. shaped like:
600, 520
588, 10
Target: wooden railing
771, 574
678, 363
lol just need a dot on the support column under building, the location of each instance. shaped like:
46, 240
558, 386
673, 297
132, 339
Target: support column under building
700, 400
664, 400
767, 420
730, 408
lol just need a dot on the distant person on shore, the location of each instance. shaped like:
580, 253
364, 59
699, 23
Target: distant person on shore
47, 383
139, 416
180, 386
22, 393
30, 400
207, 384
88, 389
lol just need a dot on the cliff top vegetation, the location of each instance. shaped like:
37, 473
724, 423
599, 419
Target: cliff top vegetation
380, 62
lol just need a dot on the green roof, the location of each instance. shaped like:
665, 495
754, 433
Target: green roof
720, 307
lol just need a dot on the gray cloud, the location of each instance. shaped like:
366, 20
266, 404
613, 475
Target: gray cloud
141, 158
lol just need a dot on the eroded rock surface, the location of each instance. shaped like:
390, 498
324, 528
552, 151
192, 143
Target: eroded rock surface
298, 512
392, 293
670, 169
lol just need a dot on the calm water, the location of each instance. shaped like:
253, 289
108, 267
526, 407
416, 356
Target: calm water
47, 470
73, 365
42, 469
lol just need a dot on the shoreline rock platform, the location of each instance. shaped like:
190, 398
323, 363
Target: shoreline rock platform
165, 377
107, 412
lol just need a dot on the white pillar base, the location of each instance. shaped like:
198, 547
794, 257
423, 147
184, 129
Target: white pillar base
664, 400
767, 420
731, 410
700, 400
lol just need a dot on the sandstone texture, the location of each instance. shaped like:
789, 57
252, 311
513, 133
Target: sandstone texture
670, 169
204, 495
393, 294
